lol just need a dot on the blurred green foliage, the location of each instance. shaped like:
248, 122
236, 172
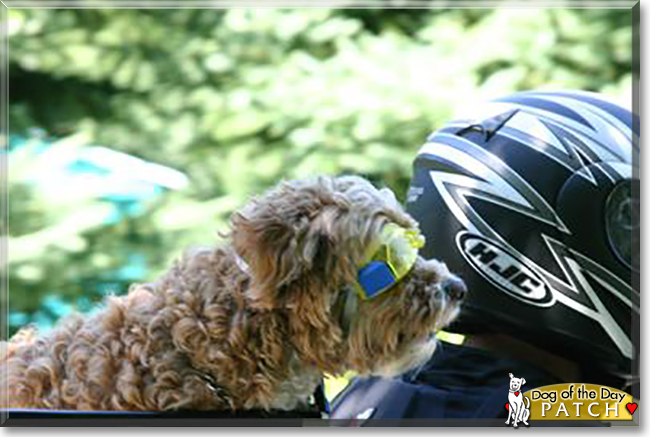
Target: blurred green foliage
238, 99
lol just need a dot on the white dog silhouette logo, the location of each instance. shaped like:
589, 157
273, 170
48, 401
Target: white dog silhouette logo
517, 410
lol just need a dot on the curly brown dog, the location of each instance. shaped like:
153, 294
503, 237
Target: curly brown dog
254, 323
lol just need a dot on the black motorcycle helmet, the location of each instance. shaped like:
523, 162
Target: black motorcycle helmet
535, 202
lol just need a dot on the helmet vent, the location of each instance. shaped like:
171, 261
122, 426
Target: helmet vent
489, 126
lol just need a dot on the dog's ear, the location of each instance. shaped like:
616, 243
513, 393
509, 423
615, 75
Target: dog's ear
523, 381
511, 376
288, 238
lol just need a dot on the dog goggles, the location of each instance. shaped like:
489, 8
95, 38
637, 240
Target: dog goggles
390, 259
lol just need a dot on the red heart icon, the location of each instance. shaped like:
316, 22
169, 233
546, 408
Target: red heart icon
631, 407
516, 393
507, 407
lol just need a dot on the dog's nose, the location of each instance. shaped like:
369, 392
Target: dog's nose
455, 288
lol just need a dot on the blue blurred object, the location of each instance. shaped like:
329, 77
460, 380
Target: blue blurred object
122, 180
119, 178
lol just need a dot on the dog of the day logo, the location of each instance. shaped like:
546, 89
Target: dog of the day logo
580, 402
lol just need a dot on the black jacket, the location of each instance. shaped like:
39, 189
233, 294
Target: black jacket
457, 383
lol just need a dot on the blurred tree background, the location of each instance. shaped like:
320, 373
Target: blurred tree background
228, 102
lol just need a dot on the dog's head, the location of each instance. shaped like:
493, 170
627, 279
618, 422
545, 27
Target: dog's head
307, 241
516, 383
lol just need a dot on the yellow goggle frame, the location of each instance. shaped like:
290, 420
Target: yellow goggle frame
390, 258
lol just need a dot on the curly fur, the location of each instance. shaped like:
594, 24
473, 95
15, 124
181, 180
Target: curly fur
211, 335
